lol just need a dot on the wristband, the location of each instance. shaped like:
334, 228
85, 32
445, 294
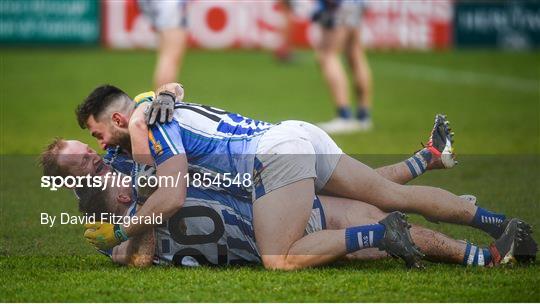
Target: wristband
119, 233
167, 93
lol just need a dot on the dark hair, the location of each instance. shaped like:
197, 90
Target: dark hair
98, 100
92, 201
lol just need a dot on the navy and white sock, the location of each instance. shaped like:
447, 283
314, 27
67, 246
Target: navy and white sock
344, 112
476, 256
362, 113
365, 236
489, 222
419, 162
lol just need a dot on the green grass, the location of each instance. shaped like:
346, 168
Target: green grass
492, 99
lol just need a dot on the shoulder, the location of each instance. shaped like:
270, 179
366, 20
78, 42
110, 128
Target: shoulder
144, 97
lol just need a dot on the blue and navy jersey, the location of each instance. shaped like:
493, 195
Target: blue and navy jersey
328, 4
214, 141
333, 4
119, 160
214, 228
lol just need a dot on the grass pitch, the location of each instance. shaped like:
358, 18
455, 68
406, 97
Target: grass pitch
492, 99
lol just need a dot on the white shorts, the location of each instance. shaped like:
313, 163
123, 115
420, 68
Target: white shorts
349, 14
165, 14
317, 219
292, 151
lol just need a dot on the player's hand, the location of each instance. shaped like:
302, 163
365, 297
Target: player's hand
104, 235
163, 105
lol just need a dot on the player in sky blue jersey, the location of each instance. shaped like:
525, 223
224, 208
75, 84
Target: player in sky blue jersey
282, 190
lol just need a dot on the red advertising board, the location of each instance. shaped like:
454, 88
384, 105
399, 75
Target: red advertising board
418, 24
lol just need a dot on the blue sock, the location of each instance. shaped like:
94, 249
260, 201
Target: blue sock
476, 256
362, 113
361, 237
488, 222
344, 112
418, 162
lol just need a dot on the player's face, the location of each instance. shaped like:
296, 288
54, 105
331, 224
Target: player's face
78, 159
108, 134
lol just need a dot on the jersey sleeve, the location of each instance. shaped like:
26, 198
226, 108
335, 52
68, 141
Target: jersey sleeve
165, 141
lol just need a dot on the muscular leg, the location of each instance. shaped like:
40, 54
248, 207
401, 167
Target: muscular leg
355, 180
172, 46
342, 213
280, 218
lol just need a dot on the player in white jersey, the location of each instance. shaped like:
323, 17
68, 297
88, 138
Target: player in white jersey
282, 189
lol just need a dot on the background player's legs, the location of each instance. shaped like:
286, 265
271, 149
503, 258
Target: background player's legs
284, 51
361, 75
172, 47
328, 55
335, 76
341, 213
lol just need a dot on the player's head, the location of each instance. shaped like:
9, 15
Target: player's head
114, 199
71, 157
106, 112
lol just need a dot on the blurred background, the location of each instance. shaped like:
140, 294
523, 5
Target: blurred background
477, 61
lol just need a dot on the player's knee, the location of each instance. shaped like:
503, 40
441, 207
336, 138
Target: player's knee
375, 214
324, 57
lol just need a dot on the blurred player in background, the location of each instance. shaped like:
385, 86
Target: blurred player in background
284, 53
169, 18
340, 21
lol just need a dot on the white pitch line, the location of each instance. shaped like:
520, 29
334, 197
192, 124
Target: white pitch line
460, 77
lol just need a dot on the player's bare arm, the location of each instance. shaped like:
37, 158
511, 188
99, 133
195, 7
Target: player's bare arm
137, 252
139, 136
166, 200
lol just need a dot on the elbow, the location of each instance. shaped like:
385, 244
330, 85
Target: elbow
140, 261
279, 263
174, 206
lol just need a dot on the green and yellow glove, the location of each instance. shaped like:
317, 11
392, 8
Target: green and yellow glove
104, 235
